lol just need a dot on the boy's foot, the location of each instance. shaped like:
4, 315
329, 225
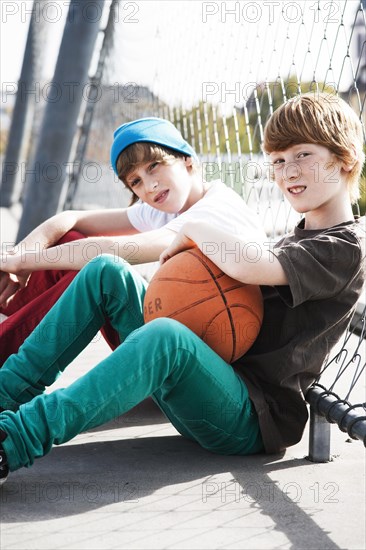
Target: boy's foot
4, 468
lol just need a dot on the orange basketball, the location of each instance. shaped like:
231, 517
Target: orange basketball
191, 289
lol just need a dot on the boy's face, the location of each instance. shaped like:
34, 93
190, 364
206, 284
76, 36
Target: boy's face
166, 187
310, 176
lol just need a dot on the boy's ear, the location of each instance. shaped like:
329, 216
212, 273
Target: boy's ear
348, 166
188, 161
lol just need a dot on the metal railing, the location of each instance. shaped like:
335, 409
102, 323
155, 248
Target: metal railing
327, 407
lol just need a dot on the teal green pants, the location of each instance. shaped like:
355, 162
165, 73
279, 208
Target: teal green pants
199, 393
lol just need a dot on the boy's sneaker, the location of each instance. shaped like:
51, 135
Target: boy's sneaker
4, 468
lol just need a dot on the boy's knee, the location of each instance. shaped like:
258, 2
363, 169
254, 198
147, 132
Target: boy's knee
106, 262
167, 329
107, 268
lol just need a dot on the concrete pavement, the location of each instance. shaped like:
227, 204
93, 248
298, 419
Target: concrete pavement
136, 483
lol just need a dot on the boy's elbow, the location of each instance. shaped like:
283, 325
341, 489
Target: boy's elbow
259, 273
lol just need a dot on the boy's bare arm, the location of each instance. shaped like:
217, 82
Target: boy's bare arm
109, 222
139, 248
245, 259
92, 222
47, 234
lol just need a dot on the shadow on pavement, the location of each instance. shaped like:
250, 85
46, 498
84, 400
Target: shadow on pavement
82, 478
280, 504
175, 474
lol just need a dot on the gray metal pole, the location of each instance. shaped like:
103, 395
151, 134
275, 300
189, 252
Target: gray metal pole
26, 97
96, 83
46, 175
319, 438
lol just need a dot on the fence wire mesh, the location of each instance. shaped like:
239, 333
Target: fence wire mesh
218, 70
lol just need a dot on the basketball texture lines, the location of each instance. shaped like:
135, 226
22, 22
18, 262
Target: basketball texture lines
224, 313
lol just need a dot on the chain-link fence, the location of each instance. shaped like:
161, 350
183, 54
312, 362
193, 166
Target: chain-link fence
218, 70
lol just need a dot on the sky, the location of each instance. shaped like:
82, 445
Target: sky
15, 18
215, 45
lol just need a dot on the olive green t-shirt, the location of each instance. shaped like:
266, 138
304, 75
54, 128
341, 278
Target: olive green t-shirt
302, 322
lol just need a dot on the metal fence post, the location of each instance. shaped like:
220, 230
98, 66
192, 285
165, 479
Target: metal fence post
47, 172
319, 438
23, 111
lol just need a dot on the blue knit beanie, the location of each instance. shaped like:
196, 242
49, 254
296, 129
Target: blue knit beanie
152, 129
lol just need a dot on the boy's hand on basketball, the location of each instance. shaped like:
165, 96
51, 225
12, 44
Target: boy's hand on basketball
180, 243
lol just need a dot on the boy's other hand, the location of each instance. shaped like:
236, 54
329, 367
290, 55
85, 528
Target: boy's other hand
180, 243
12, 276
9, 285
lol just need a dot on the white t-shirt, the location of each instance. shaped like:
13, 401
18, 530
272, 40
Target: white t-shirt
221, 206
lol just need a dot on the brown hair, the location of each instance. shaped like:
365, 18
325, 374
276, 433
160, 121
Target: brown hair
140, 153
322, 119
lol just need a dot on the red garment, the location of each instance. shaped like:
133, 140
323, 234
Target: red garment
30, 304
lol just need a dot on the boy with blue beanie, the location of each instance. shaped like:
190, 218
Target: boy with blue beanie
159, 167
150, 130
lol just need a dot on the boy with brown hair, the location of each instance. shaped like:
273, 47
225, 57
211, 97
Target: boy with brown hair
311, 282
